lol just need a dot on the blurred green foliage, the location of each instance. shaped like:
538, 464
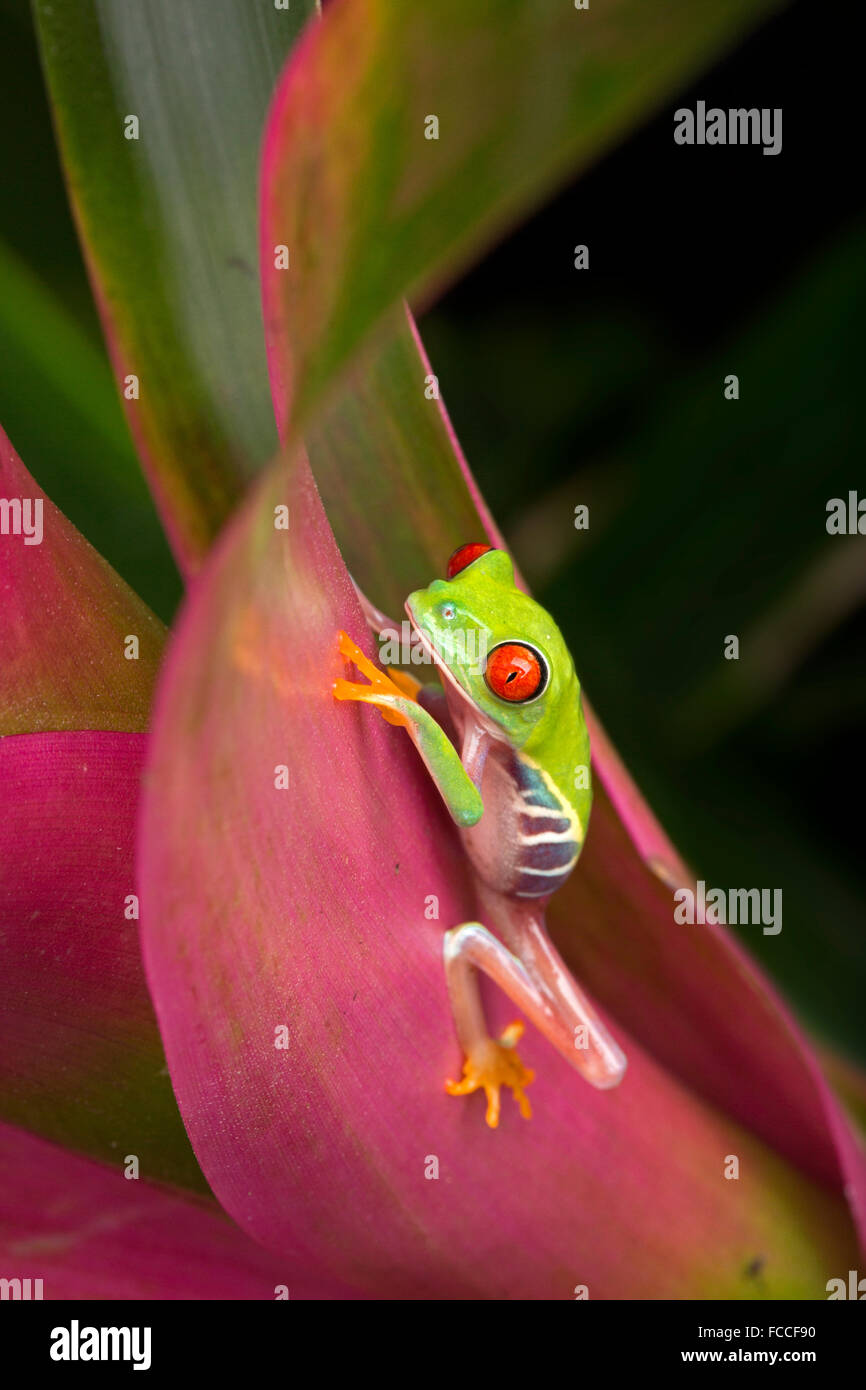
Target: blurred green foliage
58, 401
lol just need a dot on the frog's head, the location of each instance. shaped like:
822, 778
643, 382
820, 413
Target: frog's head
496, 647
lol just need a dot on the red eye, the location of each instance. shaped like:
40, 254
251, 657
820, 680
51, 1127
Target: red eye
464, 555
515, 672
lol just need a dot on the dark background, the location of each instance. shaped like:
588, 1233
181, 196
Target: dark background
605, 387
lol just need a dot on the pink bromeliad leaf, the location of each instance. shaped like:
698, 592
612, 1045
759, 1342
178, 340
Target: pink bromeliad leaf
385, 458
296, 967
88, 1232
81, 1060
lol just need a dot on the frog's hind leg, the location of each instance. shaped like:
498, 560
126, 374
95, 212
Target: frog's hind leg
549, 997
489, 1064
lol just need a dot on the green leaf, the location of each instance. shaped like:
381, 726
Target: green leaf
58, 402
395, 486
411, 136
81, 1059
66, 623
168, 222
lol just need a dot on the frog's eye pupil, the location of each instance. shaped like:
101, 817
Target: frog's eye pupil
464, 555
515, 672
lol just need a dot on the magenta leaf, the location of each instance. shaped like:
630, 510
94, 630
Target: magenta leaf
81, 1060
85, 1232
80, 1056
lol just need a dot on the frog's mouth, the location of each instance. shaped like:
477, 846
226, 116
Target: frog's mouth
452, 687
432, 651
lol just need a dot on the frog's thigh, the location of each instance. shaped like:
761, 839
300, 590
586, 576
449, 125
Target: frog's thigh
472, 947
556, 1005
489, 1065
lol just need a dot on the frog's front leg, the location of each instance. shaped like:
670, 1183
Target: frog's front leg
538, 982
396, 697
431, 697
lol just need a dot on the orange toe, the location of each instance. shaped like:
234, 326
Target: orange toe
492, 1065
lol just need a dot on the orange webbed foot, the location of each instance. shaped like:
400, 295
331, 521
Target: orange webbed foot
383, 689
492, 1065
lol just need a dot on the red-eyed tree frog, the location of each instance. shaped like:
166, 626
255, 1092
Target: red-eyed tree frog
519, 791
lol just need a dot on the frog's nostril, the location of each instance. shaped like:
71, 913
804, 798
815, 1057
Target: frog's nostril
437, 586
